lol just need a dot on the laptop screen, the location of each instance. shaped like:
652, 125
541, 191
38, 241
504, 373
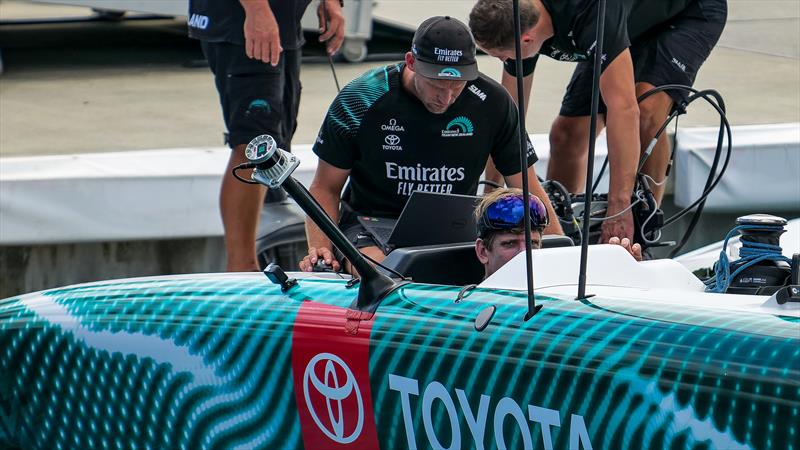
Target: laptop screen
432, 219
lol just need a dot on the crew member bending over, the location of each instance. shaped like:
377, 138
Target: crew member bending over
647, 43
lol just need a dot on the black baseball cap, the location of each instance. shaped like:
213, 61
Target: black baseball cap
444, 49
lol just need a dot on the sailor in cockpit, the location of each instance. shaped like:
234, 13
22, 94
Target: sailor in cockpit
501, 230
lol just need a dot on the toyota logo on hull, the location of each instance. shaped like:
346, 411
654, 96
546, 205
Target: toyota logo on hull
392, 139
331, 392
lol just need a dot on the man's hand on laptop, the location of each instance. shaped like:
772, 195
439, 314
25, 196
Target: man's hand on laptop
319, 253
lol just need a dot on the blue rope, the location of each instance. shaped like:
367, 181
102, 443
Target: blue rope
750, 254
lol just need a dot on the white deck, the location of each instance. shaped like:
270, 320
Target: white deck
613, 274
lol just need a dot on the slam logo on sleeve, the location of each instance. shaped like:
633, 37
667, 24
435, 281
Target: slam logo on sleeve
479, 93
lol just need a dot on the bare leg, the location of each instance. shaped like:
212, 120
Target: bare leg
240, 205
569, 143
373, 252
652, 113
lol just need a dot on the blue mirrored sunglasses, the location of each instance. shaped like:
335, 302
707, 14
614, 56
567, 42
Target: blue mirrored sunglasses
507, 213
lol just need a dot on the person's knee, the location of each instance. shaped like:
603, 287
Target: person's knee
373, 252
653, 111
566, 137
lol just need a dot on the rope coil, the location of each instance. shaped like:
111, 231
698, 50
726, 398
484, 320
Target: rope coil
750, 254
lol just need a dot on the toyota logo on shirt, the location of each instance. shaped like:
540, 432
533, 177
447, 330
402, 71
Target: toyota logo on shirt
333, 398
392, 142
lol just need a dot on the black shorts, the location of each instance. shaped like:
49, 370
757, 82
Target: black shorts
670, 54
256, 97
354, 231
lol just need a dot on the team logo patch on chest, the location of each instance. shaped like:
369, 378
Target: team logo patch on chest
392, 142
461, 126
392, 126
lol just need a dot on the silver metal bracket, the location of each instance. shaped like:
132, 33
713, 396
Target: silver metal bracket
263, 149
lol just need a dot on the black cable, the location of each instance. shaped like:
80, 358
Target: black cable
333, 71
672, 152
330, 57
715, 100
702, 200
523, 162
710, 185
725, 129
649, 150
719, 106
689, 230
587, 201
680, 110
243, 166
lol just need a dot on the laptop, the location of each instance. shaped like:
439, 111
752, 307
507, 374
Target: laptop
427, 219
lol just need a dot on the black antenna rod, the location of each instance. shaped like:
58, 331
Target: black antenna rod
330, 57
587, 201
523, 162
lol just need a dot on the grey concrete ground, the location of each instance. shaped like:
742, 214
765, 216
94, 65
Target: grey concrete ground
94, 87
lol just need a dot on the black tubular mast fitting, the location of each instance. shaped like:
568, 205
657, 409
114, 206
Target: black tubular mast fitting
273, 168
523, 162
587, 201
374, 285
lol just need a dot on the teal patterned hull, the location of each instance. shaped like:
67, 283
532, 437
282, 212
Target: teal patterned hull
231, 362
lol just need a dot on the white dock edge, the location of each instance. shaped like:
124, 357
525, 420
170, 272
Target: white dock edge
173, 193
764, 172
131, 195
117, 196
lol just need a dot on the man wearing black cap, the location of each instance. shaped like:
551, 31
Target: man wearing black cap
427, 124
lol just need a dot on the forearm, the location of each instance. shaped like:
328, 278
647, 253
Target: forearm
617, 86
492, 175
255, 6
623, 155
329, 201
510, 83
